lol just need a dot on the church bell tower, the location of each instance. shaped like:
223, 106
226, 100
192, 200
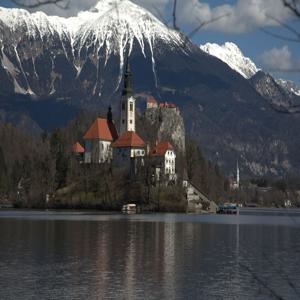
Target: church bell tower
127, 121
237, 174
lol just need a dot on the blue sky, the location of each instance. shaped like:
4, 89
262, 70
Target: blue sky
241, 27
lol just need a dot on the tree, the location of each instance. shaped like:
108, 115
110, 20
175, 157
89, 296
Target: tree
60, 156
3, 173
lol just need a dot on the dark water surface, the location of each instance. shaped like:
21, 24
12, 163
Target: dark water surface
82, 255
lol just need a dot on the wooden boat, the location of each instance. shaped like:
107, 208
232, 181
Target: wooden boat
130, 208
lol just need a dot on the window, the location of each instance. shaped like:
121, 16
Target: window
123, 105
130, 121
131, 106
123, 121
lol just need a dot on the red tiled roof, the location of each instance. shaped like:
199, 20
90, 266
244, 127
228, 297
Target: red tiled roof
151, 100
167, 105
77, 148
161, 148
129, 139
103, 130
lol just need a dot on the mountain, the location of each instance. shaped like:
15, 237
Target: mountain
282, 94
289, 86
279, 97
51, 68
233, 57
44, 56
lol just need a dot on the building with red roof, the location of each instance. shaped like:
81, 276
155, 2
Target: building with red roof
78, 151
128, 150
77, 148
98, 139
151, 103
164, 158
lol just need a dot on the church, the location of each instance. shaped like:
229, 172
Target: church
103, 143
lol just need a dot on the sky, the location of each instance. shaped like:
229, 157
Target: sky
241, 22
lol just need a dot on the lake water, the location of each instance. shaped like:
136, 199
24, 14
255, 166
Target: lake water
88, 255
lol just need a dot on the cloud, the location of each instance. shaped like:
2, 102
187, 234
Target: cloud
74, 6
279, 59
242, 16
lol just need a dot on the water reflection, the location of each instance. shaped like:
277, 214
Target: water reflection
148, 257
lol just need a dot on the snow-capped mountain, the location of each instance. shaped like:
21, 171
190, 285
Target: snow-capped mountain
280, 93
233, 57
110, 28
289, 86
51, 67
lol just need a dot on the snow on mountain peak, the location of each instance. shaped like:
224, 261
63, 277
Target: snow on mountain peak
233, 57
289, 86
115, 26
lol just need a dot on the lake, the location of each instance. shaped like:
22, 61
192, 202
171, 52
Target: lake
92, 255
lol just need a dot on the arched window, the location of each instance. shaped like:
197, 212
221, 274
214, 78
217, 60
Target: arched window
130, 106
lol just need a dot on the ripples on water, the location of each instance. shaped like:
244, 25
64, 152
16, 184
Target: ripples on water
82, 255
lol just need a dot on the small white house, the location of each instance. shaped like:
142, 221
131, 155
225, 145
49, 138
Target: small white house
165, 160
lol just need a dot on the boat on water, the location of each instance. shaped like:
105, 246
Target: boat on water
130, 208
6, 206
228, 209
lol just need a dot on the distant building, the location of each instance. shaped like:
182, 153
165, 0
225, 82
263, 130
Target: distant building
164, 158
151, 103
98, 140
78, 151
235, 184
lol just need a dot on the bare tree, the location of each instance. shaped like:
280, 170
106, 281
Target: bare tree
293, 6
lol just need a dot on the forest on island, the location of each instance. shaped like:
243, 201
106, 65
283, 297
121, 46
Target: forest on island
41, 171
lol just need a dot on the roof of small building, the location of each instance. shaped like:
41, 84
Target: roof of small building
129, 139
77, 148
167, 105
103, 130
151, 100
161, 148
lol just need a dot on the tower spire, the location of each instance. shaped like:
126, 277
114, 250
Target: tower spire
127, 90
127, 121
109, 115
237, 174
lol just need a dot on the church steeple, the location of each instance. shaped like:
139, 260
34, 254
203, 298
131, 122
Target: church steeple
127, 90
127, 121
237, 174
109, 115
